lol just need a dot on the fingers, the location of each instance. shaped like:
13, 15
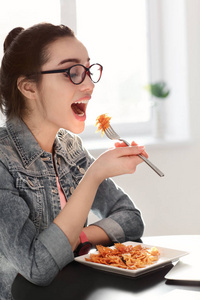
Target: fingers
133, 143
129, 151
144, 153
122, 144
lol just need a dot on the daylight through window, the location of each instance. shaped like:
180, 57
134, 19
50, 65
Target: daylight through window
115, 34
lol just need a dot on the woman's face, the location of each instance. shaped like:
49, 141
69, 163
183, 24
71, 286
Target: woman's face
61, 103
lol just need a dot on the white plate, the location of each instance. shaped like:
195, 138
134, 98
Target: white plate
166, 257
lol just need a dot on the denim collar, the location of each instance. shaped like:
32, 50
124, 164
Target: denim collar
29, 150
24, 141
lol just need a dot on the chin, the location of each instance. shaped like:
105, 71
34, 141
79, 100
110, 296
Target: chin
78, 130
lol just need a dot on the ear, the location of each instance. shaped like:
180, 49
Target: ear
27, 88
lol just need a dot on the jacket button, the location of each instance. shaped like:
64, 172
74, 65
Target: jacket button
81, 170
71, 189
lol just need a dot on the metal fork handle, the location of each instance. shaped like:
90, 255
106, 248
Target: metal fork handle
148, 162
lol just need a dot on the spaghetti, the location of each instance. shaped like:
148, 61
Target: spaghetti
126, 257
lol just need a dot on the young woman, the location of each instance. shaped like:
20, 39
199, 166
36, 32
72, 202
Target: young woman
48, 181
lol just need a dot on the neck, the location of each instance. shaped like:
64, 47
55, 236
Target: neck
44, 134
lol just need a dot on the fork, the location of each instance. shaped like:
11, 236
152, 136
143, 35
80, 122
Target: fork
111, 134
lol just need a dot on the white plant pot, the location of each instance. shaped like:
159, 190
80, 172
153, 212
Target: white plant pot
159, 119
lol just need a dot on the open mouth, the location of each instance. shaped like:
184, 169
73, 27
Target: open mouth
79, 107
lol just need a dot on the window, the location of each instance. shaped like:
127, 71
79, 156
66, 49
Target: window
151, 47
115, 34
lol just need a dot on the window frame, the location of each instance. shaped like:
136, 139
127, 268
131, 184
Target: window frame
162, 17
68, 17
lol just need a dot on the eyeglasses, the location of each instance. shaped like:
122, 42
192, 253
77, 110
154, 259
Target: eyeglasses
78, 72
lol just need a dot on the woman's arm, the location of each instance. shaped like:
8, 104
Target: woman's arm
119, 217
38, 257
114, 162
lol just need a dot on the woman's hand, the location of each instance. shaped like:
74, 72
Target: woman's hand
119, 160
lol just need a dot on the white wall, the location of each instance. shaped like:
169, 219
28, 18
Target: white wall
171, 205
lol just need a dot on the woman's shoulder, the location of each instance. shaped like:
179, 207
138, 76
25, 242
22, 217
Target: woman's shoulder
5, 141
7, 151
3, 133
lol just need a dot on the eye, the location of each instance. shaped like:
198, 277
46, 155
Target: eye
74, 74
77, 74
66, 74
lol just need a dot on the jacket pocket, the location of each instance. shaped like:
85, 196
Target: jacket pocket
32, 192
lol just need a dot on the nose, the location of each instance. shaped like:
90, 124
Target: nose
87, 84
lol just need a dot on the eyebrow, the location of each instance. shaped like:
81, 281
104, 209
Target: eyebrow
75, 60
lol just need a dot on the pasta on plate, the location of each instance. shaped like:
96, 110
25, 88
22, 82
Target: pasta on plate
125, 256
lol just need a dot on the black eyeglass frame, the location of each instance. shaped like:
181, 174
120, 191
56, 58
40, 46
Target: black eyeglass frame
67, 71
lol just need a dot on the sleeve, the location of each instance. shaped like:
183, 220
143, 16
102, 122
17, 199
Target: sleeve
37, 257
119, 217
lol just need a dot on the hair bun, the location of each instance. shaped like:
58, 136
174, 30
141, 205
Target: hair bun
11, 36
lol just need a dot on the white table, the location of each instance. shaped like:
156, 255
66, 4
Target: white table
76, 281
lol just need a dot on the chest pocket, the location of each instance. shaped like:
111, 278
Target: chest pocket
32, 192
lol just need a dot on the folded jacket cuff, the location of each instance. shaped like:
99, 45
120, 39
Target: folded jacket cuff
112, 229
57, 244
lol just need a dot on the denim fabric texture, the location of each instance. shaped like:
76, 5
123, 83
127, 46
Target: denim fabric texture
30, 243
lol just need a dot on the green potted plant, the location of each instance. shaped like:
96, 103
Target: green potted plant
159, 92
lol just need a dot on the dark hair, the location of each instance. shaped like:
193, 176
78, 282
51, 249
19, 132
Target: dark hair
25, 51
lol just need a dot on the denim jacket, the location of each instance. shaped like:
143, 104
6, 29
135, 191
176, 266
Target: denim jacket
30, 243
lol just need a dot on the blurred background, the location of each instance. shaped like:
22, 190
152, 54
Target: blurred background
139, 43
